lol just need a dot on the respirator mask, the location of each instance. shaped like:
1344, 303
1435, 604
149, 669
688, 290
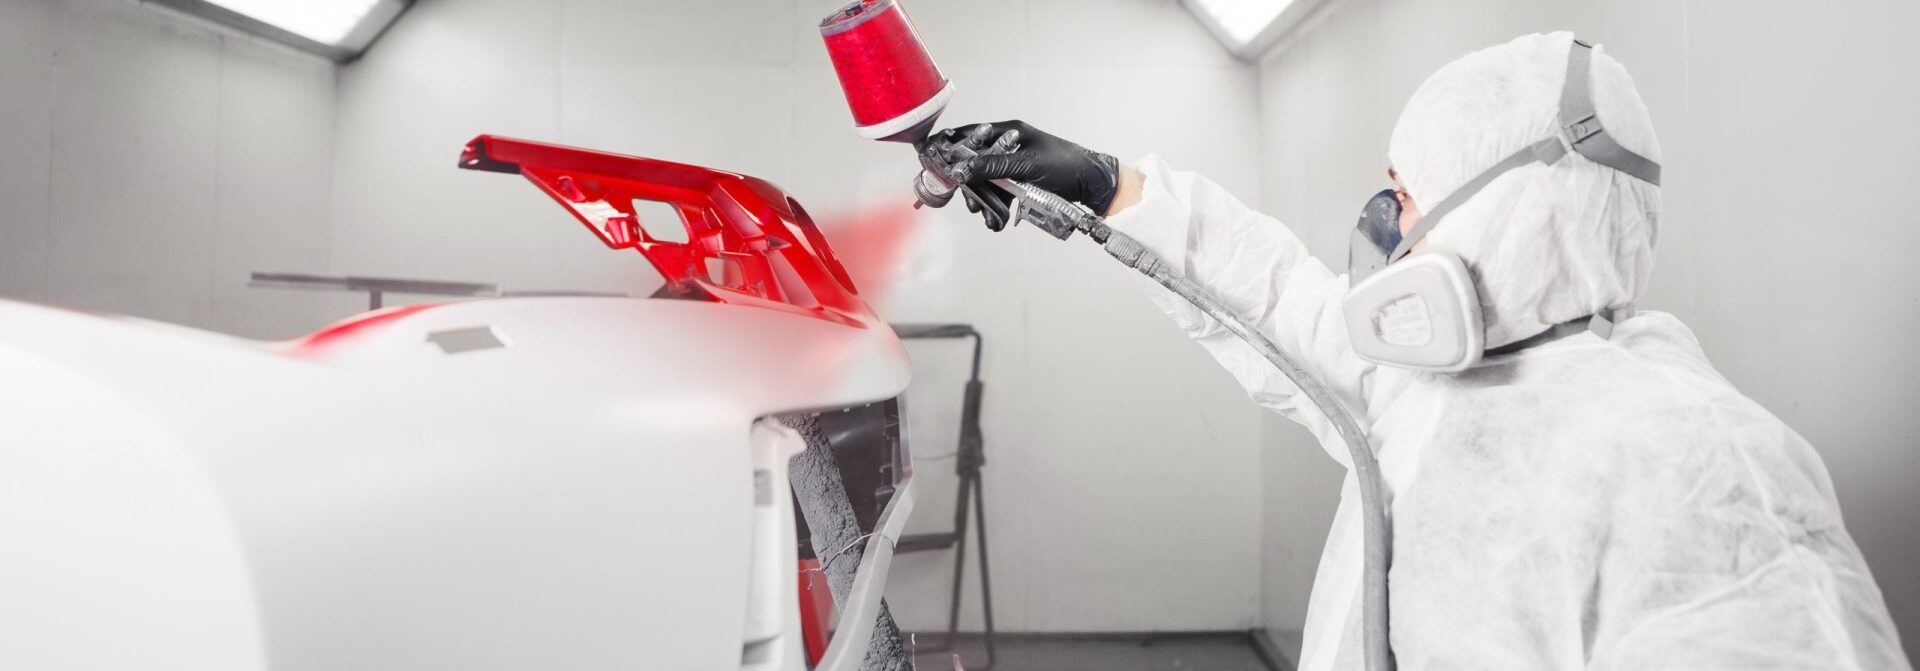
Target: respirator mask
1419, 310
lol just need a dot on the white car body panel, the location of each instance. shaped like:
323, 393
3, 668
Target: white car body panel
582, 497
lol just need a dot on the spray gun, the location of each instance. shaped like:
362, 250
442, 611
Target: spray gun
896, 94
941, 175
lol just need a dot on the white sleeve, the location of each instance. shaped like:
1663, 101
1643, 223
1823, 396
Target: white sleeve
1262, 271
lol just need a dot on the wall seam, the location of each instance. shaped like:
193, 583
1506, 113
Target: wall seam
1686, 118
53, 108
1025, 614
334, 132
1260, 521
555, 238
219, 132
333, 119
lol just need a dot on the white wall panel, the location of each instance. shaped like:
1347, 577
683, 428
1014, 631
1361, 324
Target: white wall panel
1090, 34
449, 70
1805, 278
661, 33
134, 132
26, 77
1175, 439
153, 161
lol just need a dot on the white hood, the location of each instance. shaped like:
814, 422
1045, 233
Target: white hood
1546, 243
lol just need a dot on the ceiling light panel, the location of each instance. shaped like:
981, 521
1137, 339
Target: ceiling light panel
1242, 20
325, 21
339, 29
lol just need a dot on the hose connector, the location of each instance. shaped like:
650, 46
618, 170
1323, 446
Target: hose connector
1130, 252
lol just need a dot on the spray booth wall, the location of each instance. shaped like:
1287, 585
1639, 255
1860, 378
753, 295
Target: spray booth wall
148, 163
151, 163
1784, 245
1123, 474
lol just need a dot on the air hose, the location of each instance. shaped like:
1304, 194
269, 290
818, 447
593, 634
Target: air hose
1366, 470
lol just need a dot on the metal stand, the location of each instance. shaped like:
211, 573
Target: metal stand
377, 288
968, 458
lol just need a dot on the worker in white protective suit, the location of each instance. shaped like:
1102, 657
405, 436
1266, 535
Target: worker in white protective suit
1571, 484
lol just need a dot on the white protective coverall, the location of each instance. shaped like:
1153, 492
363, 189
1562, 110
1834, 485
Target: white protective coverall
1585, 503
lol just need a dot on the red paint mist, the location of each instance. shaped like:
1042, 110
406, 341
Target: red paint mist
872, 241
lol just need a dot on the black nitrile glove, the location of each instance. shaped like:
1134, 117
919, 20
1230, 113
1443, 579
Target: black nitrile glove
1066, 169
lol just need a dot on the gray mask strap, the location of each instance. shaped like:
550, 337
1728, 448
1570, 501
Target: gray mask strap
1600, 323
1581, 123
1554, 332
1578, 120
1545, 151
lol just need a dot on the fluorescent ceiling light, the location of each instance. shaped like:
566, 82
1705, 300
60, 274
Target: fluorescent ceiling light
339, 29
1242, 20
1250, 27
318, 20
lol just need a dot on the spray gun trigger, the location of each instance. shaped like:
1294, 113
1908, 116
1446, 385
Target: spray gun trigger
977, 136
1008, 143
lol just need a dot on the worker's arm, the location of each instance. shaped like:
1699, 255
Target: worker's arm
1262, 271
1131, 183
1247, 260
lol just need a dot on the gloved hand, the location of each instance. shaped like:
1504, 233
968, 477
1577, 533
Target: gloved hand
1066, 169
995, 211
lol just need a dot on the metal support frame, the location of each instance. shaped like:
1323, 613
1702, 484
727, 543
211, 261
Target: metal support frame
969, 456
377, 288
